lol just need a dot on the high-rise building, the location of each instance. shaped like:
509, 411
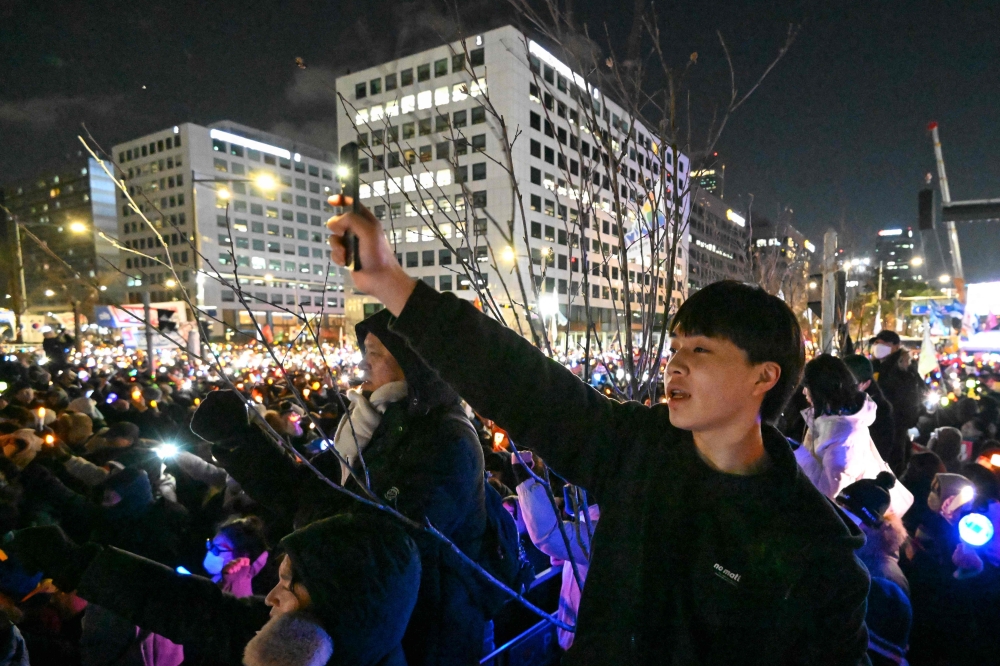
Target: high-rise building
254, 205
712, 180
434, 170
899, 251
66, 208
782, 257
719, 244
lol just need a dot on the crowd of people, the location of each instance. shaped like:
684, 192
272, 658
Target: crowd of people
197, 514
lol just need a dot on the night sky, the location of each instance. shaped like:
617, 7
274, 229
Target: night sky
837, 132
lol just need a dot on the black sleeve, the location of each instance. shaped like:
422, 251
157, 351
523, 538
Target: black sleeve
836, 585
264, 471
274, 480
579, 432
188, 610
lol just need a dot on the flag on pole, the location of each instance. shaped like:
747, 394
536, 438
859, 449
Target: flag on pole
928, 357
878, 319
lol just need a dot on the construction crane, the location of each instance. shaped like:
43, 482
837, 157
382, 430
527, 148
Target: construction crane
956, 254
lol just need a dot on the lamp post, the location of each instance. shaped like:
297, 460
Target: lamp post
266, 182
22, 305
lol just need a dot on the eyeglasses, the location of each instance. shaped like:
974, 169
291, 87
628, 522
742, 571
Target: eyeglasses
216, 550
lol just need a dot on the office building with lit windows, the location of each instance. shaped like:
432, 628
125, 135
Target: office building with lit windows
235, 202
719, 242
899, 251
434, 157
66, 208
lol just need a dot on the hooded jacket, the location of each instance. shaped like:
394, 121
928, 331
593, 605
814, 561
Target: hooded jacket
838, 450
425, 459
689, 565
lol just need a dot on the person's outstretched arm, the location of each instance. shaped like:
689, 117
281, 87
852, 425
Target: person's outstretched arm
540, 403
188, 610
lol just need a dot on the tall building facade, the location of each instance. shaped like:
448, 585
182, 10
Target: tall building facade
435, 171
782, 259
67, 209
234, 202
719, 242
899, 251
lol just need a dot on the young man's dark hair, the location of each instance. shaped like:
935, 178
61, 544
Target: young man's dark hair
760, 324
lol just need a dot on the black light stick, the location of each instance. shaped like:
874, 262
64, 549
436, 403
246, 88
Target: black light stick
347, 172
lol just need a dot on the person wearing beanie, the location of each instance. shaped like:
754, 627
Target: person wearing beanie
73, 428
866, 502
917, 478
89, 407
883, 429
407, 428
889, 618
946, 442
347, 588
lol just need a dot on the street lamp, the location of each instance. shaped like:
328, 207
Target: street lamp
507, 254
917, 261
944, 279
50, 293
170, 283
78, 227
264, 181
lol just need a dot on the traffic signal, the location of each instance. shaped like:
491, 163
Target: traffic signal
926, 209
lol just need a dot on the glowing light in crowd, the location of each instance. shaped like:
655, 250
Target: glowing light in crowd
975, 529
166, 450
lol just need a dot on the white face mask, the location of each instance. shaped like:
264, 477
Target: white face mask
880, 351
213, 563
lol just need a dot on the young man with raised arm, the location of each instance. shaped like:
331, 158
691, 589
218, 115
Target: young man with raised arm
713, 548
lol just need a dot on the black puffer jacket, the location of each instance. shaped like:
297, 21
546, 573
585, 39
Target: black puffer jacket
424, 459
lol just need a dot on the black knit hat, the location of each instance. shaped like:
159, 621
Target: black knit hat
868, 499
888, 618
362, 572
890, 337
860, 367
123, 430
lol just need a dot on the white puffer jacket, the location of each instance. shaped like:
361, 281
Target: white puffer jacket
838, 450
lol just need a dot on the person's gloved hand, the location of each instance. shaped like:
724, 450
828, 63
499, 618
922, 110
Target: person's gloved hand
968, 562
221, 415
237, 575
49, 550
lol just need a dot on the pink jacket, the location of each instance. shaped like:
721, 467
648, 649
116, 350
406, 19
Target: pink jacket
543, 527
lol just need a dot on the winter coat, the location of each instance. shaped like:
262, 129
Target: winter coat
550, 535
904, 389
690, 566
883, 431
425, 459
838, 450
